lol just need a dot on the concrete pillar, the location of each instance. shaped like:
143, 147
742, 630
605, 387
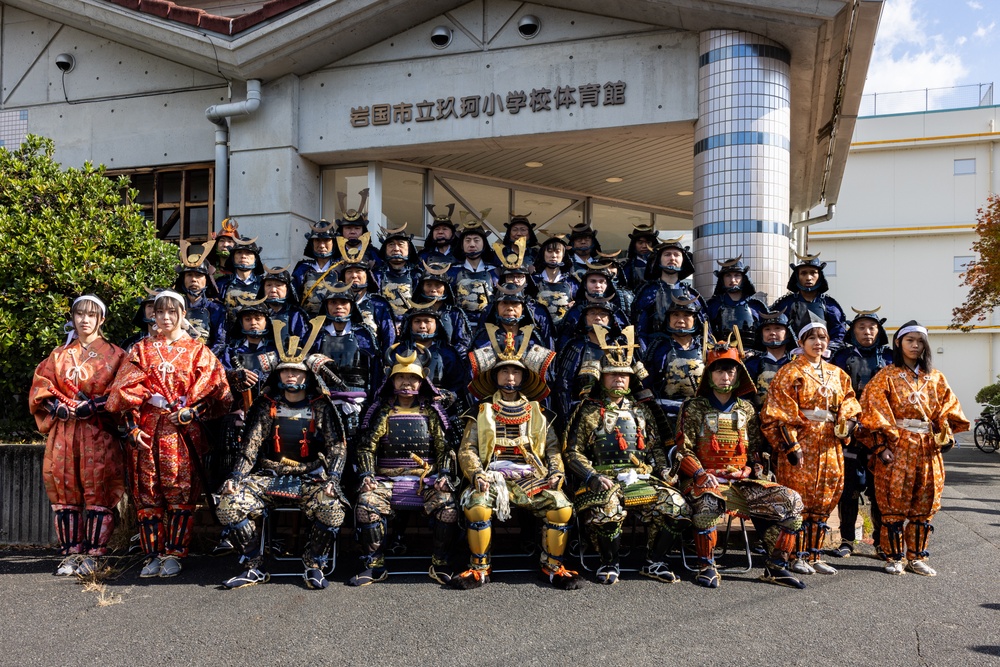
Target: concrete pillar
741, 159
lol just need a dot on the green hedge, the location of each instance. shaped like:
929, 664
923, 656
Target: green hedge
64, 233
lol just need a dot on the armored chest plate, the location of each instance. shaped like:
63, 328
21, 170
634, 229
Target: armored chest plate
618, 428
473, 290
236, 289
398, 291
294, 440
682, 373
802, 312
556, 298
862, 369
407, 434
721, 441
352, 364
201, 320
313, 304
739, 315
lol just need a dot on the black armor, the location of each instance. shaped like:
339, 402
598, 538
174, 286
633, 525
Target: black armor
352, 364
615, 430
295, 435
407, 434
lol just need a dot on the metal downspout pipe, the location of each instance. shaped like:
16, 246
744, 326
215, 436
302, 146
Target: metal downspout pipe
220, 114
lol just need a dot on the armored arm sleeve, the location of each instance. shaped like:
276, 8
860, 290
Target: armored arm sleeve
368, 442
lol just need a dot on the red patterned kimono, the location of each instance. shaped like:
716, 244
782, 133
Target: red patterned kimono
157, 379
805, 404
83, 470
903, 410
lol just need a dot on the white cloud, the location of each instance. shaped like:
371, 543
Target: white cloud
906, 57
961, 40
974, 5
982, 31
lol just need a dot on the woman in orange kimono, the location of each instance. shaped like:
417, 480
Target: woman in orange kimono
83, 471
167, 384
911, 416
809, 413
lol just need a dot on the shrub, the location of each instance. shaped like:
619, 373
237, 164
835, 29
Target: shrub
64, 233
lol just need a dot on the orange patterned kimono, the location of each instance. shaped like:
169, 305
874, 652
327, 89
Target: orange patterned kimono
158, 378
805, 404
83, 469
909, 413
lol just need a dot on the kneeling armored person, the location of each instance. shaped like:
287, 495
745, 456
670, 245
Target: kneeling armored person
405, 461
294, 449
613, 447
510, 455
718, 443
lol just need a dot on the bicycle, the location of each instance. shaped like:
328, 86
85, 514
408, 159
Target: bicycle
987, 432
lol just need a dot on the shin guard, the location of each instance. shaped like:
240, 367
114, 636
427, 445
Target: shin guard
67, 521
150, 533
662, 540
704, 545
179, 521
917, 535
784, 543
609, 545
246, 538
555, 540
479, 535
443, 541
100, 524
320, 546
892, 540
372, 535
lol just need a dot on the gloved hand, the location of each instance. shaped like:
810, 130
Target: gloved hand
598, 483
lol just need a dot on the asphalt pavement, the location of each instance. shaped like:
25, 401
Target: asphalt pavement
861, 616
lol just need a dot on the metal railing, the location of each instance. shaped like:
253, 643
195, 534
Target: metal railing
927, 99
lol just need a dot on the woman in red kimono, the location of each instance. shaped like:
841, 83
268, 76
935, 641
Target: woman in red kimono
809, 412
167, 385
83, 470
910, 415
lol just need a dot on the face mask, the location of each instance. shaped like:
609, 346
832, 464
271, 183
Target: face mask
584, 250
474, 255
254, 333
395, 257
616, 393
803, 288
422, 336
275, 302
291, 387
194, 293
406, 392
245, 267
722, 390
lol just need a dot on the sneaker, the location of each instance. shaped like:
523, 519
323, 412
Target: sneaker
845, 550
440, 573
87, 566
708, 577
170, 566
315, 579
922, 568
560, 577
776, 573
894, 567
369, 576
660, 572
68, 565
471, 578
151, 568
823, 567
799, 566
251, 577
608, 574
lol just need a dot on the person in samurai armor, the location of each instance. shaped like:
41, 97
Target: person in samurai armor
556, 286
520, 227
616, 267
311, 275
375, 310
278, 292
434, 288
595, 284
398, 273
441, 241
807, 299
583, 246
245, 275
474, 278
666, 277
165, 387
773, 344
83, 469
350, 345
225, 240
406, 461
718, 449
809, 414
204, 313
510, 313
616, 453
866, 351
583, 347
733, 301
294, 451
443, 365
642, 239
675, 361
510, 455
143, 320
910, 416
514, 271
351, 226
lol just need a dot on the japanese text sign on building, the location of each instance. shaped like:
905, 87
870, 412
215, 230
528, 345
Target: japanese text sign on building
538, 100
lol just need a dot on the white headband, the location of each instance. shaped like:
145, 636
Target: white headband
167, 294
91, 297
812, 325
913, 328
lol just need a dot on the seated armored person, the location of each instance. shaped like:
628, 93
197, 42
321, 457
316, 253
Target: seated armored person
613, 448
669, 267
352, 226
354, 355
398, 274
405, 461
244, 276
434, 288
733, 303
514, 271
375, 310
518, 228
279, 294
206, 316
555, 286
474, 278
773, 344
807, 299
596, 284
675, 361
443, 367
294, 450
584, 246
581, 348
642, 240
718, 445
866, 351
439, 245
510, 456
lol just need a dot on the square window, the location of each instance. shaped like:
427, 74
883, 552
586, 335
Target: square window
830, 270
965, 166
962, 262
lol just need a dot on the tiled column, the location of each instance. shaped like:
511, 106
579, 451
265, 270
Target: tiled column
741, 159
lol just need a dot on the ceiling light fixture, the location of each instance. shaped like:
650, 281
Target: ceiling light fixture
533, 165
614, 179
686, 193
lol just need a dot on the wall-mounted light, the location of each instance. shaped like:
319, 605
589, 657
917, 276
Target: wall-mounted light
529, 26
441, 36
65, 62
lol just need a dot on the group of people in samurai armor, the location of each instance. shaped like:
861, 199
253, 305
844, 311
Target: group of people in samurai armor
470, 379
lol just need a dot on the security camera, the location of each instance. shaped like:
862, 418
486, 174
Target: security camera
441, 36
65, 62
529, 26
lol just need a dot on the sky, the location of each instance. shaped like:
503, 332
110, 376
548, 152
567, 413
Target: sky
936, 44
